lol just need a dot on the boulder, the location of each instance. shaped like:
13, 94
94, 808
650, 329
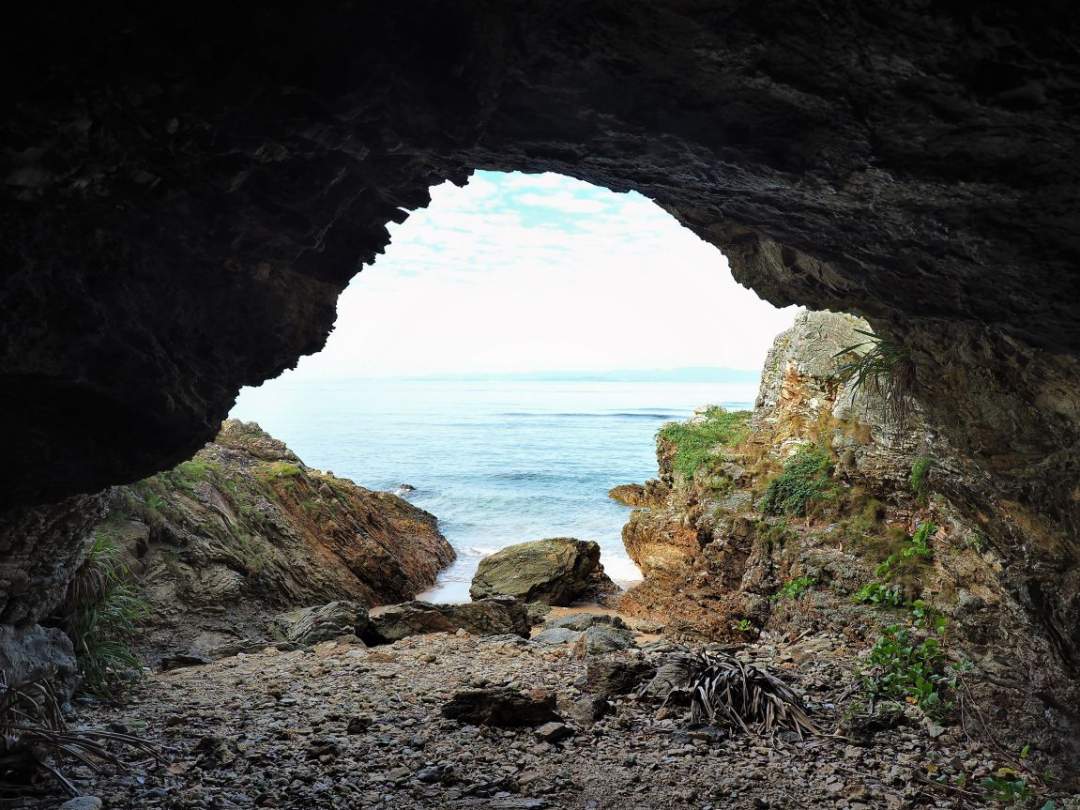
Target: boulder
603, 638
606, 677
554, 636
538, 612
501, 706
310, 625
34, 652
587, 710
583, 621
485, 617
556, 571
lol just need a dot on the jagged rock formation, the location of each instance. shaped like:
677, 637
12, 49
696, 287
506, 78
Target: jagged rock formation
243, 530
720, 562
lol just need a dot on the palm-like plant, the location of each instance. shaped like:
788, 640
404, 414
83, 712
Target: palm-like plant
883, 368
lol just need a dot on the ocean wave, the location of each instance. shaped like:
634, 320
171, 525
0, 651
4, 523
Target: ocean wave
479, 551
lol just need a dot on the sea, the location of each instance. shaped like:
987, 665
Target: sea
497, 461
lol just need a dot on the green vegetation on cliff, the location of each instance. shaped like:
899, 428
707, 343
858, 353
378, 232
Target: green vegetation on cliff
696, 441
104, 609
806, 478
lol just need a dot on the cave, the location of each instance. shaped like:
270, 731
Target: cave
186, 196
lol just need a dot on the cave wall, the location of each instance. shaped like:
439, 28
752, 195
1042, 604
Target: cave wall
185, 196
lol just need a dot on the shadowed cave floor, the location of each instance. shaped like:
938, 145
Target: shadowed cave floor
272, 730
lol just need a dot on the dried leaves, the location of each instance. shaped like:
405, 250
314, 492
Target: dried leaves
724, 691
34, 739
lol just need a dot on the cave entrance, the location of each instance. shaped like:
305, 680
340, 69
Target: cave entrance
511, 356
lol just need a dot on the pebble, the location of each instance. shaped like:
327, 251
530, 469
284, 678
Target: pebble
340, 734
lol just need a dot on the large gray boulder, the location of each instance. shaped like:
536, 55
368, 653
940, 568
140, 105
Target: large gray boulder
557, 571
486, 617
38, 653
306, 626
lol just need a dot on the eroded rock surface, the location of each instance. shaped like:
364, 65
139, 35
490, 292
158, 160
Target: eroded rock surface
720, 562
179, 222
485, 617
556, 571
243, 531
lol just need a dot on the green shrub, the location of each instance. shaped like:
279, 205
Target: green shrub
283, 469
1006, 790
793, 589
902, 667
694, 442
915, 550
805, 479
104, 610
920, 484
920, 542
875, 593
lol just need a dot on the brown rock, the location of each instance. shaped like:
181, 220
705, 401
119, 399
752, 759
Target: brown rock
494, 616
606, 677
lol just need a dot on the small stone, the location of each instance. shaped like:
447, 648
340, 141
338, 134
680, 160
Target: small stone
554, 732
82, 803
358, 725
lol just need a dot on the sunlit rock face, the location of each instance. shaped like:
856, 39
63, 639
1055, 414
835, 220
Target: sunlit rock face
716, 558
184, 198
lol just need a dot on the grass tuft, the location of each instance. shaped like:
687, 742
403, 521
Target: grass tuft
919, 482
806, 478
694, 442
104, 609
882, 368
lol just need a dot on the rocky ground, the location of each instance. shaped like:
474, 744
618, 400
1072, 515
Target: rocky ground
344, 726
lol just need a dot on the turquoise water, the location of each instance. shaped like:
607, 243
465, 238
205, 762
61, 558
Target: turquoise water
497, 462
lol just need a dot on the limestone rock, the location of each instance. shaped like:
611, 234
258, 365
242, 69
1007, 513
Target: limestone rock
648, 494
307, 626
554, 732
485, 617
556, 636
501, 706
556, 571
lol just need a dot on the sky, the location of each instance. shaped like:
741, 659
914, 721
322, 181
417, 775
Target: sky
519, 273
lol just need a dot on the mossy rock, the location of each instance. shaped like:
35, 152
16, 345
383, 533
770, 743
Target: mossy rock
556, 571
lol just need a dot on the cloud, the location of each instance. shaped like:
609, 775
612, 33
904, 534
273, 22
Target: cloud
518, 272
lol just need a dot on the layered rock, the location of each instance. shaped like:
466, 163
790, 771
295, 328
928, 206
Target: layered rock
485, 617
244, 530
723, 557
556, 571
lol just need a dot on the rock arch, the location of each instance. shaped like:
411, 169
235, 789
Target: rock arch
186, 196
